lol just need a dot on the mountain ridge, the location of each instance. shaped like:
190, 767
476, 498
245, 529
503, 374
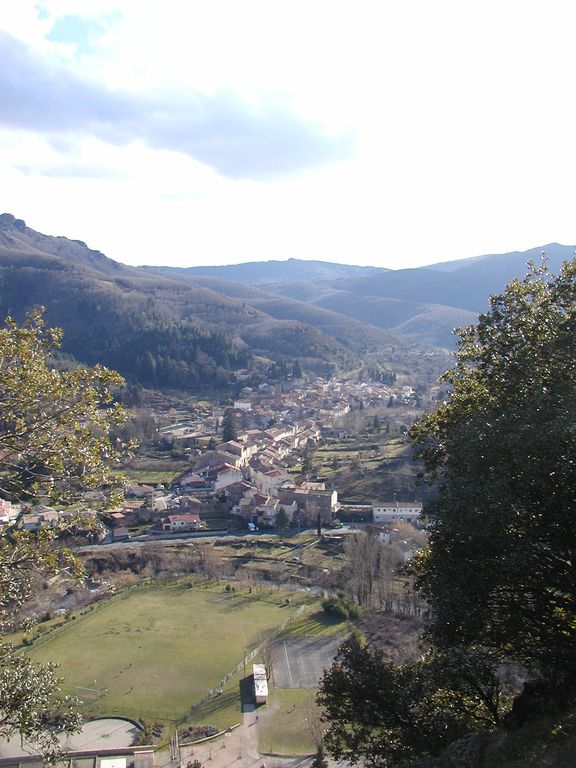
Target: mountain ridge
164, 330
329, 315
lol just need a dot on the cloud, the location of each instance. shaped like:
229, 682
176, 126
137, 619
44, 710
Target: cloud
70, 171
239, 139
79, 30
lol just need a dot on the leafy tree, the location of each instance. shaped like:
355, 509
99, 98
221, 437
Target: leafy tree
499, 570
309, 463
229, 426
385, 715
282, 521
500, 566
297, 370
54, 425
54, 445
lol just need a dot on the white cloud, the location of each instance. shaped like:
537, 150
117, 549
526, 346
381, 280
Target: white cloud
461, 116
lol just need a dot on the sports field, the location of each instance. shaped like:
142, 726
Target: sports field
158, 650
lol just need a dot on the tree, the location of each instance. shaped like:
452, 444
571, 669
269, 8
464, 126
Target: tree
500, 566
370, 568
319, 759
309, 464
282, 521
386, 715
498, 572
269, 653
54, 446
229, 426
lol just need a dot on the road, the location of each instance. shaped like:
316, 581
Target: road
208, 536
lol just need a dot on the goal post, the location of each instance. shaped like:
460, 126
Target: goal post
87, 694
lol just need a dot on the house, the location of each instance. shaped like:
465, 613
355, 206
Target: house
397, 512
139, 490
311, 503
237, 491
119, 529
240, 451
215, 458
189, 521
268, 481
193, 482
385, 533
8, 512
258, 509
41, 516
187, 504
160, 503
222, 475
280, 432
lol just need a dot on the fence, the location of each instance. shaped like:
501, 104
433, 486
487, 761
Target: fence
100, 707
217, 689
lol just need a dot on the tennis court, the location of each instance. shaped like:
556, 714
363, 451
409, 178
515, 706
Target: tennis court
300, 662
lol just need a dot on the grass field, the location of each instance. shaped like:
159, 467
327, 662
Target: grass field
286, 728
158, 650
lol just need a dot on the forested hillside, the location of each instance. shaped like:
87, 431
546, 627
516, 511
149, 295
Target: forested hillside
171, 331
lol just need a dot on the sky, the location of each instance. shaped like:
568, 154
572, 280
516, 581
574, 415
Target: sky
370, 132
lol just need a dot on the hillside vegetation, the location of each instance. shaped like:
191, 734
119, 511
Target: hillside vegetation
167, 330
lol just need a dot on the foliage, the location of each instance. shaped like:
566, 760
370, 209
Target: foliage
372, 567
341, 607
500, 567
28, 705
229, 426
54, 446
309, 463
498, 571
319, 760
53, 424
385, 714
282, 522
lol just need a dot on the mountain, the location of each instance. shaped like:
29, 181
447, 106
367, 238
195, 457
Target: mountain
264, 272
166, 329
424, 303
183, 327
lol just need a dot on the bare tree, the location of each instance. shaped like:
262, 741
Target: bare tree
314, 723
269, 653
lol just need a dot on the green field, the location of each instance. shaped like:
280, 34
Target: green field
157, 650
287, 723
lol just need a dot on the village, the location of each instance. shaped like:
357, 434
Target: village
248, 465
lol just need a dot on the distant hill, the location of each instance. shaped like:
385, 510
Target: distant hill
264, 272
184, 327
425, 303
167, 329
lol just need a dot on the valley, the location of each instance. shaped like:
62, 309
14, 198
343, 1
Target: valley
270, 497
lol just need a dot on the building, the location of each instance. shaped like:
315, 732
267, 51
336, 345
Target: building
181, 523
397, 512
260, 683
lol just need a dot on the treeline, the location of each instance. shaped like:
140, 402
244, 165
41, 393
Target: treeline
177, 355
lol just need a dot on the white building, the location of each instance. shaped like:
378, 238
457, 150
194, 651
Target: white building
260, 683
397, 511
